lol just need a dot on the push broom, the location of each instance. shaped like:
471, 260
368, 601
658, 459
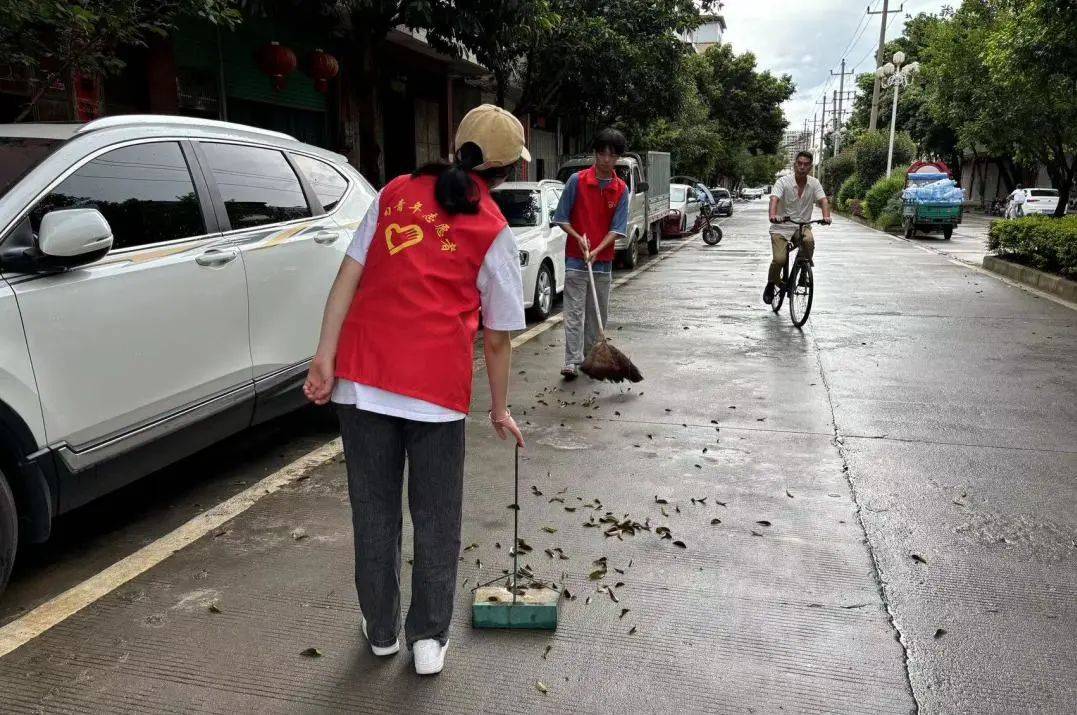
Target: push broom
606, 362
533, 607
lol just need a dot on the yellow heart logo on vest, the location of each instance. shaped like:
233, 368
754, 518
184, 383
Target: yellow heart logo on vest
407, 235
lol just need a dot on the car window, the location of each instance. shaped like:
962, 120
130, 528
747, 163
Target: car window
521, 207
625, 173
328, 183
144, 191
677, 194
257, 185
1043, 192
18, 155
635, 174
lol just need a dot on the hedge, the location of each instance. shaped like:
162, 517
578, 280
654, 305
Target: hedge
881, 192
871, 150
1043, 242
852, 188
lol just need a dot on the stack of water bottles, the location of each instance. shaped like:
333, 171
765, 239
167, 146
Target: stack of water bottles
941, 192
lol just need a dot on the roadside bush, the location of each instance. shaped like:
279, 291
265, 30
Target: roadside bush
851, 188
836, 171
880, 193
870, 154
890, 217
856, 207
1043, 242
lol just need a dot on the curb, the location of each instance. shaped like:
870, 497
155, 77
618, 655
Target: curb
1056, 285
868, 224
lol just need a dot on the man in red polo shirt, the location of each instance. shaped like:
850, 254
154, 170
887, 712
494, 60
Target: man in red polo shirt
593, 211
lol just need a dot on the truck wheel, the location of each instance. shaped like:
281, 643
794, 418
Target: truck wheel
655, 244
947, 231
631, 254
9, 531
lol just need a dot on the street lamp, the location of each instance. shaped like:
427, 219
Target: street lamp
893, 74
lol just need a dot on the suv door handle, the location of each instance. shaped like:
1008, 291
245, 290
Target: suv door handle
326, 237
217, 257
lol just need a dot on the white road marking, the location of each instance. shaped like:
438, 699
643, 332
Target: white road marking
58, 609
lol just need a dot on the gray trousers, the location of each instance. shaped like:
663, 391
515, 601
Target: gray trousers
375, 446
581, 326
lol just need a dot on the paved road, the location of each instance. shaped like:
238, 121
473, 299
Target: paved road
926, 409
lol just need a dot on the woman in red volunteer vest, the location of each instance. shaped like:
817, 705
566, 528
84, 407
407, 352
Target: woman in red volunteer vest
395, 355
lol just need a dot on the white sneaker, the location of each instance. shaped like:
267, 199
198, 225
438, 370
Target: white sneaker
381, 650
429, 656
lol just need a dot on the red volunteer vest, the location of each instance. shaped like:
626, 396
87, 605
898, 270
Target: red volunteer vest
592, 213
411, 327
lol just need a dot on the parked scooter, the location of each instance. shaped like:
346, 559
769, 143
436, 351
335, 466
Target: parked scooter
712, 232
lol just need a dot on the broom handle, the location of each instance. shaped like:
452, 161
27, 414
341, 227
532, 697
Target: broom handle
516, 523
594, 294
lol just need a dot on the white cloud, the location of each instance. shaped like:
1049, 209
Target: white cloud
807, 38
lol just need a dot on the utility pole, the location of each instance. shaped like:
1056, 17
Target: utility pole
840, 100
822, 137
879, 60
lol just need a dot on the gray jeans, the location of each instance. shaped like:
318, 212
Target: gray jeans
375, 446
581, 327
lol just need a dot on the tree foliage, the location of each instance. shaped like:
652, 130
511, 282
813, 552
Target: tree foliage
1003, 73
54, 39
872, 149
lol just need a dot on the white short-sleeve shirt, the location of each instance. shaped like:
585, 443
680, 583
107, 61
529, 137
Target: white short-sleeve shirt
501, 295
793, 202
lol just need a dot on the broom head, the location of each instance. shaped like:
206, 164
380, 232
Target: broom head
606, 362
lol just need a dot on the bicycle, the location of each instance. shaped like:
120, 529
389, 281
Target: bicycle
799, 282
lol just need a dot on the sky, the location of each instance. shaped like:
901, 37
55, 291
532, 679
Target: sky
807, 39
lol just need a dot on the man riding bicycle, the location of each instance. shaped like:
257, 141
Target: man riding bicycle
793, 196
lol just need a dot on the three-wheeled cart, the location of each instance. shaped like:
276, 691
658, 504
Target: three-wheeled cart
931, 216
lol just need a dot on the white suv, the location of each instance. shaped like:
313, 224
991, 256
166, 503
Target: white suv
161, 287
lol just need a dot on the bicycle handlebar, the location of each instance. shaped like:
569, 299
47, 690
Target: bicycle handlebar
821, 221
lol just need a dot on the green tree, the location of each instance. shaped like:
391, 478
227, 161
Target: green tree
55, 39
1002, 73
873, 148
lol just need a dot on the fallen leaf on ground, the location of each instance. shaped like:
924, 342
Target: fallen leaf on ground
680, 544
214, 608
632, 630
514, 507
720, 503
940, 632
549, 529
660, 501
763, 522
469, 547
547, 651
299, 533
535, 491
715, 521
570, 509
624, 611
311, 653
788, 494
542, 687
755, 533
597, 574
919, 558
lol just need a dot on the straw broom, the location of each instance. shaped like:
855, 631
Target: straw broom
606, 362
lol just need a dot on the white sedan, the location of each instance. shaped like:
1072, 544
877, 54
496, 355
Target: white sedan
529, 208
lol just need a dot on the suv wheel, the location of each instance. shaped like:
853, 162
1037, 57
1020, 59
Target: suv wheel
542, 305
9, 531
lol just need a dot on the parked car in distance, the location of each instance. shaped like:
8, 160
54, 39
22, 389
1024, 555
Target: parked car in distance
1041, 201
529, 208
684, 209
753, 193
162, 281
724, 200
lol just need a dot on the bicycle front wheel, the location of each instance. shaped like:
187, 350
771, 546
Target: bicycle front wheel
801, 290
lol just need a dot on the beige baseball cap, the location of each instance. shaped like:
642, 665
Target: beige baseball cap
497, 132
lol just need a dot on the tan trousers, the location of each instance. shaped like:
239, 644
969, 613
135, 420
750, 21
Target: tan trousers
781, 255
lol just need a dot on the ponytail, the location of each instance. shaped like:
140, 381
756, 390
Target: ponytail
455, 189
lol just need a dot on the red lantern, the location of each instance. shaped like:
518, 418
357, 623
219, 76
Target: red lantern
276, 61
322, 67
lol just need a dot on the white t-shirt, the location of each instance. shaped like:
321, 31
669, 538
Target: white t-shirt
502, 297
793, 203
1018, 196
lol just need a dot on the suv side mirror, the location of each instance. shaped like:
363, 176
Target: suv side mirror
67, 238
73, 233
642, 186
